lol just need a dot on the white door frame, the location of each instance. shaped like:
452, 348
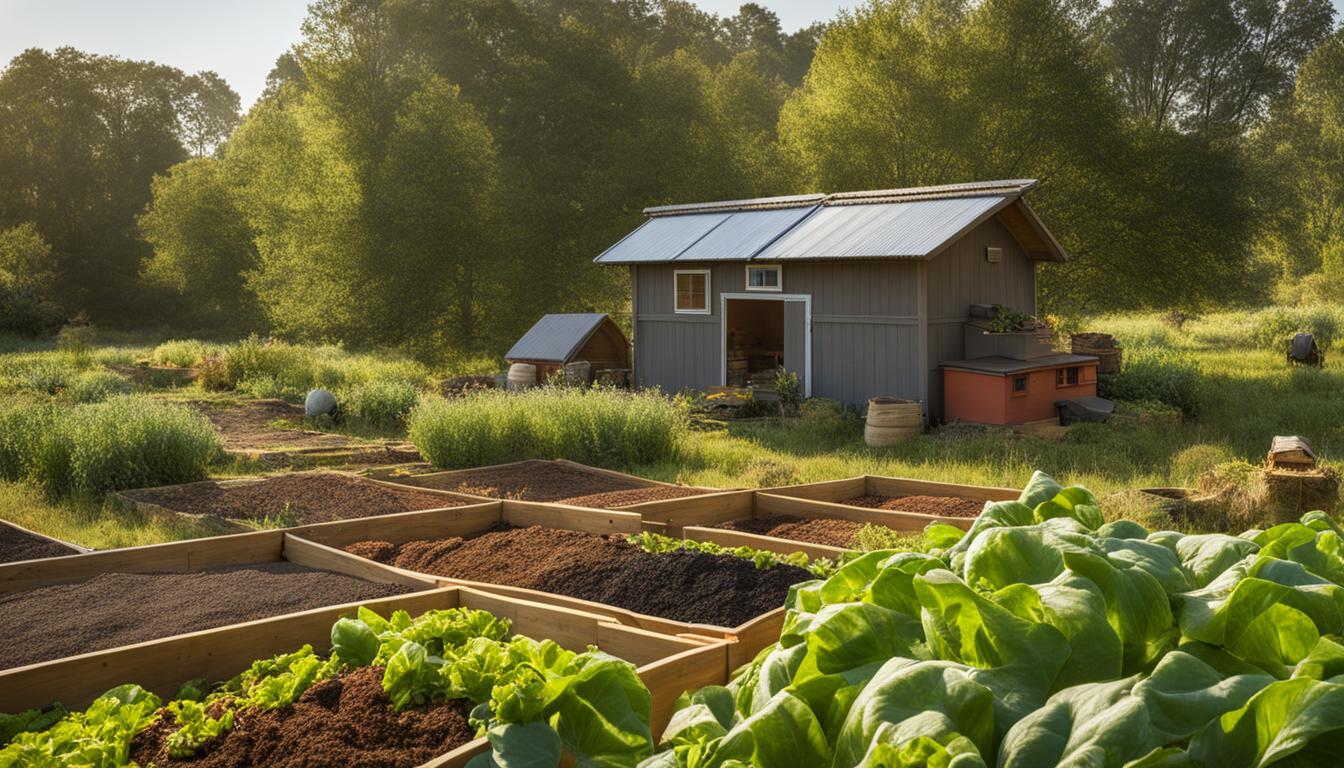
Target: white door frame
806, 298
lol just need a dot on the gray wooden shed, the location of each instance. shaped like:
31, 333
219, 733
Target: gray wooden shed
859, 293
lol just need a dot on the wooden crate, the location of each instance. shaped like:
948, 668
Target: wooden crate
329, 538
668, 665
215, 524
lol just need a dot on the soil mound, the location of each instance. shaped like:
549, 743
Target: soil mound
943, 506
817, 530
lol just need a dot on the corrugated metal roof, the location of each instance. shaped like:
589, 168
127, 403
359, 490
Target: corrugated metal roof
914, 222
555, 338
914, 229
661, 239
743, 234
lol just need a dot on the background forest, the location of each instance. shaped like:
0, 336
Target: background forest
432, 175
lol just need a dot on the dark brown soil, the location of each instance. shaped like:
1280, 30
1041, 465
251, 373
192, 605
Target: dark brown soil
115, 609
943, 506
533, 481
265, 425
816, 530
347, 721
18, 545
708, 589
633, 496
312, 497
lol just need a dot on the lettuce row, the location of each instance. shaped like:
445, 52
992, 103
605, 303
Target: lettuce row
534, 699
763, 559
1046, 636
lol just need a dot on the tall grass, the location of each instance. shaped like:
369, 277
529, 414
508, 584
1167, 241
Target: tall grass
381, 405
123, 442
184, 353
279, 369
594, 426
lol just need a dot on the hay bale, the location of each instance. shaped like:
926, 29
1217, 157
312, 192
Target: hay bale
1283, 495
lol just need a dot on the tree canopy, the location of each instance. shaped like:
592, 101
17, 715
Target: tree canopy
434, 174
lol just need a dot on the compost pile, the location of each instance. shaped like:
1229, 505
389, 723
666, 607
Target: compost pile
346, 721
684, 586
114, 609
303, 497
830, 531
942, 506
1046, 636
18, 545
552, 482
394, 692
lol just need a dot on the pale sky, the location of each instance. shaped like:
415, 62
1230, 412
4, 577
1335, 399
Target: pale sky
239, 39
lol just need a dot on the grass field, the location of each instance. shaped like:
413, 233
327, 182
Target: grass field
1248, 395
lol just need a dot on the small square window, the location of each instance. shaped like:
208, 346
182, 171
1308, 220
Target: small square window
692, 289
1066, 377
1020, 385
1072, 375
767, 278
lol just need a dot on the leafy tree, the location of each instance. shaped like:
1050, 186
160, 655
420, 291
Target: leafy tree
25, 260
202, 245
1301, 150
209, 111
1210, 66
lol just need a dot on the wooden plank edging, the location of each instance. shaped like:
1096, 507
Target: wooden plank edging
78, 550
896, 520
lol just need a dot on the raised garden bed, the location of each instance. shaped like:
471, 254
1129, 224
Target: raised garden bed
559, 481
919, 501
286, 500
374, 736
577, 558
783, 524
17, 543
73, 605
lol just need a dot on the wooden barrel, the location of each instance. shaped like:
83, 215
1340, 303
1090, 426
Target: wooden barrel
892, 420
1101, 345
522, 376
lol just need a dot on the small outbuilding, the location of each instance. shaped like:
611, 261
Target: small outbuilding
557, 340
860, 294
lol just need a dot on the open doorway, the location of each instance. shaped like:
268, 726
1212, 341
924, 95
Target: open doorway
754, 341
762, 334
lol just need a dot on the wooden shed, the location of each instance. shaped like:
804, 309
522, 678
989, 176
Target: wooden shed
859, 293
556, 340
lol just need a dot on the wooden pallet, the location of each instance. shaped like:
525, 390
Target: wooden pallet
667, 665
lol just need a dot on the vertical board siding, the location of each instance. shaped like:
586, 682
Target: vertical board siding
960, 276
865, 330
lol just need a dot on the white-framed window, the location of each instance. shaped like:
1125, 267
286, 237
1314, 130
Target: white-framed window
692, 291
765, 277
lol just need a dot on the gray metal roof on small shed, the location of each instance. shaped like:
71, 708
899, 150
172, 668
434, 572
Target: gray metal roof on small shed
916, 223
556, 338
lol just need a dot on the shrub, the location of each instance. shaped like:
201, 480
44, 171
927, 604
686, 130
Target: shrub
97, 385
213, 374
379, 404
23, 311
789, 389
1273, 327
183, 353
280, 369
595, 426
1159, 375
1137, 331
124, 442
46, 376
827, 419
76, 339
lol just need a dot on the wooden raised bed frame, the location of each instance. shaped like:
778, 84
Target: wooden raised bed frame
667, 665
395, 476
834, 491
329, 538
224, 525
77, 549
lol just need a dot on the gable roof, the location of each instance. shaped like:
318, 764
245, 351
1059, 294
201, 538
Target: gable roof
910, 223
556, 338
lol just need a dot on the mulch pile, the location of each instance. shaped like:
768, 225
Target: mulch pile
18, 545
548, 481
816, 530
943, 506
683, 586
346, 721
313, 497
114, 609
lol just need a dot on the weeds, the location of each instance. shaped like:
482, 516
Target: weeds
184, 353
594, 426
382, 405
1163, 376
